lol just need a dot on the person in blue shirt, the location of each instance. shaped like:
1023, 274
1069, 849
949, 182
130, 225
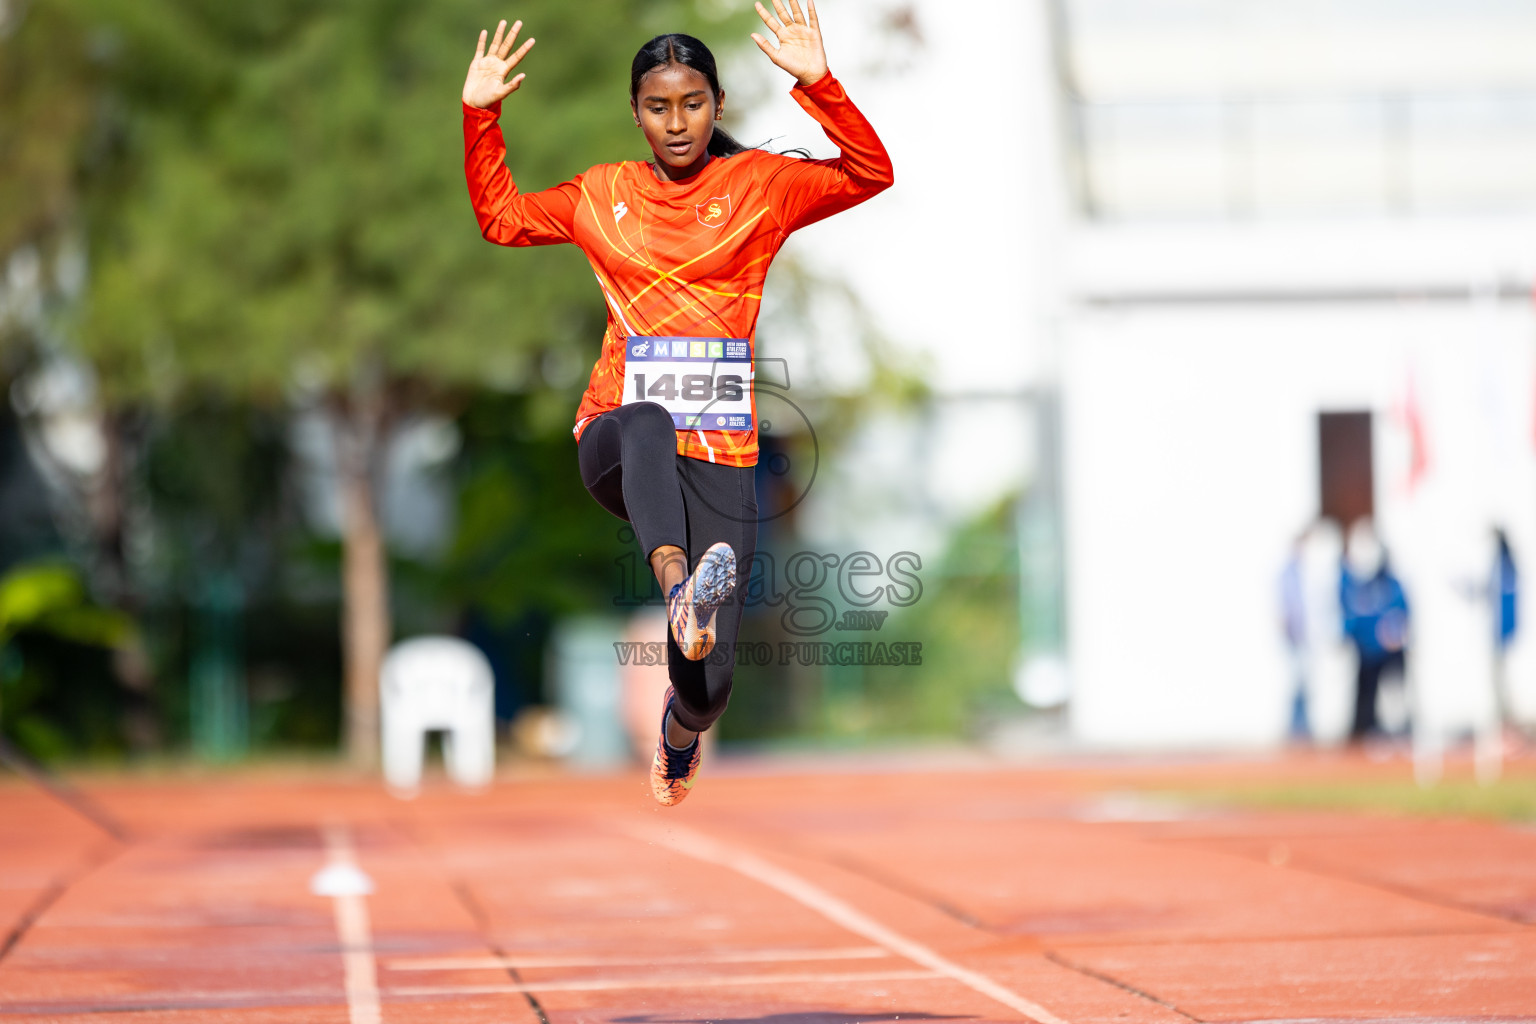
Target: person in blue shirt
1506, 591
1375, 621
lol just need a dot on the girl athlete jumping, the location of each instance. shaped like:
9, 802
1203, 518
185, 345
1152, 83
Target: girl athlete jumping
667, 430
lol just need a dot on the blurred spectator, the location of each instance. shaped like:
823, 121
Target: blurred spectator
1506, 587
1293, 617
1375, 621
1314, 630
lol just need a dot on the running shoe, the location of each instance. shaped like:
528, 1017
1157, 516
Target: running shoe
672, 771
692, 603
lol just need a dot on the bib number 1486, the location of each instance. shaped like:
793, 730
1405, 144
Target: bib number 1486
691, 387
705, 383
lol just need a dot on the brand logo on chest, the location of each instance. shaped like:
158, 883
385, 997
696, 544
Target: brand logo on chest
713, 212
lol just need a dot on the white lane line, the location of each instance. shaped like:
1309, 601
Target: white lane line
702, 847
745, 956
348, 887
680, 982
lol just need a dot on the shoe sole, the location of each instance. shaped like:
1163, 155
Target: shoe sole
710, 586
715, 577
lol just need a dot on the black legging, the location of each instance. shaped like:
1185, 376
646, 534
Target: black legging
1367, 686
629, 463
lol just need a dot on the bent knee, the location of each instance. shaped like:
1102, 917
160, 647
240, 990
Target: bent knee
649, 417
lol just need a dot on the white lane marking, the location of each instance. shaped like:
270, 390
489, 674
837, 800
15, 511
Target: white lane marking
702, 847
746, 956
680, 982
348, 887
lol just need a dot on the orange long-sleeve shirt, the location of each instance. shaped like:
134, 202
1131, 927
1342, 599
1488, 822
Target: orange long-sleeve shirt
680, 259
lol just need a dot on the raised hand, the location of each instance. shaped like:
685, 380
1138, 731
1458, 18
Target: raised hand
799, 37
486, 82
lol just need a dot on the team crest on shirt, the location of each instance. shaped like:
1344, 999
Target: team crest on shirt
714, 212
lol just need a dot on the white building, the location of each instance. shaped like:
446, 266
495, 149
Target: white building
1288, 210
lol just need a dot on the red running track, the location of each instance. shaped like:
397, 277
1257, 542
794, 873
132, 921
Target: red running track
775, 895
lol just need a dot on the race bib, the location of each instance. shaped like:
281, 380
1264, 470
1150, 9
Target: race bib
705, 383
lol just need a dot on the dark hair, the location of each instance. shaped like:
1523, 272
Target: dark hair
679, 48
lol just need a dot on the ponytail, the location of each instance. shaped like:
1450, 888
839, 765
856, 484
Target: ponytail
723, 144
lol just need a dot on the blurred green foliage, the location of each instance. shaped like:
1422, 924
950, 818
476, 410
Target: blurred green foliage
528, 536
292, 199
968, 622
224, 524
50, 598
49, 630
966, 618
270, 197
48, 91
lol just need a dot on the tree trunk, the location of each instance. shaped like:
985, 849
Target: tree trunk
365, 579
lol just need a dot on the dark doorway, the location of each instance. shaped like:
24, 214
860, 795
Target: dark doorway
1346, 484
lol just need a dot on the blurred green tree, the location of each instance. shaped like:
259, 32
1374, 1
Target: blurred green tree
288, 221
45, 605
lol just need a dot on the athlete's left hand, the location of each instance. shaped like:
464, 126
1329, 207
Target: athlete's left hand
799, 37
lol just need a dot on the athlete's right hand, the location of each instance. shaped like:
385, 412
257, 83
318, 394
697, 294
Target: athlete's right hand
486, 82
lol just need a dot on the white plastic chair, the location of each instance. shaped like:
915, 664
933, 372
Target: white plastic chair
437, 683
